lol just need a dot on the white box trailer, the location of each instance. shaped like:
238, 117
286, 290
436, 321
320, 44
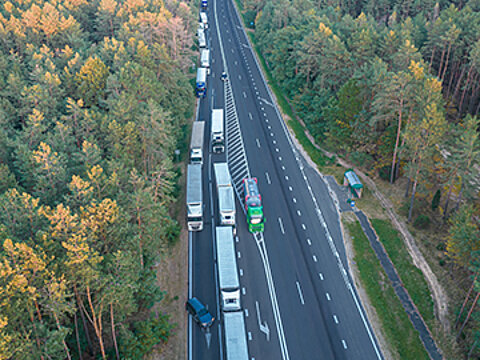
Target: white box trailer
236, 347
202, 40
196, 144
204, 19
205, 58
218, 135
227, 269
225, 193
222, 175
226, 205
194, 197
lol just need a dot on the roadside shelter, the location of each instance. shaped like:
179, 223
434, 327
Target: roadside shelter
351, 180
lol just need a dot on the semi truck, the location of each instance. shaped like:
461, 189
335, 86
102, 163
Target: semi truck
196, 143
227, 269
194, 197
226, 197
204, 4
236, 347
253, 205
201, 84
218, 136
205, 59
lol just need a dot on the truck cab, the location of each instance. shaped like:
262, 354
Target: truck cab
253, 205
201, 82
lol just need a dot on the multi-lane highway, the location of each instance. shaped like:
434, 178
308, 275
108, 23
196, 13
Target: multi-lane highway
298, 298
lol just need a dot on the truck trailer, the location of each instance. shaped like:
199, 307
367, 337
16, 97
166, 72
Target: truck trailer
204, 19
236, 347
196, 143
205, 59
194, 198
202, 40
227, 269
218, 136
226, 196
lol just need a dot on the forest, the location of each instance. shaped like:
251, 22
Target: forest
393, 87
95, 97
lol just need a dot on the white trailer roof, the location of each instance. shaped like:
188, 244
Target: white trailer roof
235, 339
194, 184
201, 75
226, 198
226, 259
197, 135
217, 121
205, 56
222, 175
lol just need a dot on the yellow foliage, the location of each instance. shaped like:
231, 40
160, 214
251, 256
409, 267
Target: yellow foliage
62, 221
52, 79
88, 146
131, 5
44, 156
96, 216
80, 186
107, 6
324, 29
31, 17
417, 70
36, 118
37, 56
434, 85
362, 18
67, 52
44, 49
95, 173
74, 4
8, 7
73, 61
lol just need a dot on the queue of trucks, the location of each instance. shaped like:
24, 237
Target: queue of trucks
236, 347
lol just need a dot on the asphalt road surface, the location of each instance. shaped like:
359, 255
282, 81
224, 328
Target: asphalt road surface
298, 298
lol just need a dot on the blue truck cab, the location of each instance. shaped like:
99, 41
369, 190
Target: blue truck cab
201, 83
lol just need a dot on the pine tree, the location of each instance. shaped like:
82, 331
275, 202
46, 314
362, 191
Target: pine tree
421, 139
91, 80
462, 154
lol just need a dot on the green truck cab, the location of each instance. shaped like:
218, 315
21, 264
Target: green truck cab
253, 205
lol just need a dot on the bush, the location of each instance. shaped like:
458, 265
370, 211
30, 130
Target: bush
421, 222
384, 173
144, 336
361, 159
249, 18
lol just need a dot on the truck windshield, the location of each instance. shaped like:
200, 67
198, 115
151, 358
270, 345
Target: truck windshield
253, 201
256, 219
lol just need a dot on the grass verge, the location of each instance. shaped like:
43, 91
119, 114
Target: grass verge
399, 331
411, 276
